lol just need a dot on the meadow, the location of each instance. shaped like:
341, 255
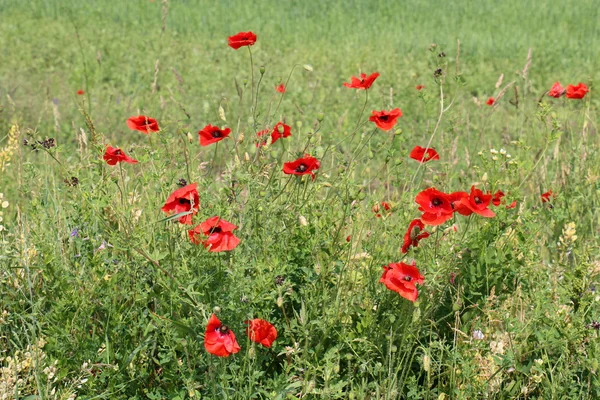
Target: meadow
279, 259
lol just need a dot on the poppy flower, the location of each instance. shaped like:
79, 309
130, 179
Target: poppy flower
143, 124
280, 130
113, 155
242, 39
386, 206
80, 92
302, 166
512, 205
364, 82
280, 88
557, 90
219, 232
424, 154
455, 198
546, 196
385, 120
402, 278
477, 202
212, 134
490, 101
420, 87
261, 331
414, 234
436, 206
577, 91
497, 199
182, 200
219, 339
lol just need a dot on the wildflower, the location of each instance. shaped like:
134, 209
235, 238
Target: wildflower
261, 331
414, 234
80, 92
212, 134
557, 90
280, 130
546, 196
219, 232
490, 101
386, 206
74, 233
114, 155
420, 87
497, 199
577, 91
185, 199
385, 120
219, 339
364, 82
280, 88
143, 124
242, 39
478, 335
511, 205
424, 154
402, 278
477, 202
436, 206
302, 166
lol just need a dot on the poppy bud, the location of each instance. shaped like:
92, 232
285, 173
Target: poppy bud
240, 138
190, 137
299, 124
398, 131
246, 156
280, 129
303, 221
280, 302
320, 117
262, 69
375, 208
484, 178
216, 309
361, 196
245, 81
308, 67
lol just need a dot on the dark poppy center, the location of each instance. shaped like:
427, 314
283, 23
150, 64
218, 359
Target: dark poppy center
301, 168
118, 152
224, 329
384, 117
216, 229
184, 201
477, 200
436, 202
408, 278
216, 134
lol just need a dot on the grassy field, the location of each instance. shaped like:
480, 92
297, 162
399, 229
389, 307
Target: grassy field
104, 296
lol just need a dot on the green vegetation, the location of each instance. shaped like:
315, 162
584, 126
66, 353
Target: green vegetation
104, 297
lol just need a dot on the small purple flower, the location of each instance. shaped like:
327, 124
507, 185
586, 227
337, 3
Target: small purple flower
74, 232
478, 335
104, 245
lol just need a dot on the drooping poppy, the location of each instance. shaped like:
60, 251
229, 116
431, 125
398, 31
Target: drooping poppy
261, 331
435, 205
280, 88
414, 234
424, 154
490, 101
497, 199
477, 202
219, 339
402, 279
557, 90
143, 124
212, 134
302, 166
219, 232
420, 87
114, 155
364, 82
80, 92
242, 39
183, 200
547, 196
385, 120
577, 91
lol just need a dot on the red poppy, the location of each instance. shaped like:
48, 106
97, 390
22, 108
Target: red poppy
424, 154
280, 130
219, 232
280, 88
546, 196
577, 91
80, 92
512, 205
385, 120
242, 39
414, 234
557, 90
219, 339
364, 82
212, 134
113, 155
348, 238
497, 199
402, 278
490, 101
436, 206
261, 331
183, 200
420, 87
302, 166
477, 202
143, 124
386, 206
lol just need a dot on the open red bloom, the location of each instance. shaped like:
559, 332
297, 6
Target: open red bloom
261, 331
242, 39
420, 87
435, 205
424, 154
80, 92
280, 88
302, 166
212, 134
113, 155
219, 339
577, 91
497, 199
219, 232
490, 101
402, 278
143, 124
546, 196
414, 233
477, 203
364, 82
557, 90
183, 200
385, 120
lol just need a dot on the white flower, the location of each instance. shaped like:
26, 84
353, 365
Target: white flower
478, 335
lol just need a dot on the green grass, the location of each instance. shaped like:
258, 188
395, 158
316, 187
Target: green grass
128, 321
